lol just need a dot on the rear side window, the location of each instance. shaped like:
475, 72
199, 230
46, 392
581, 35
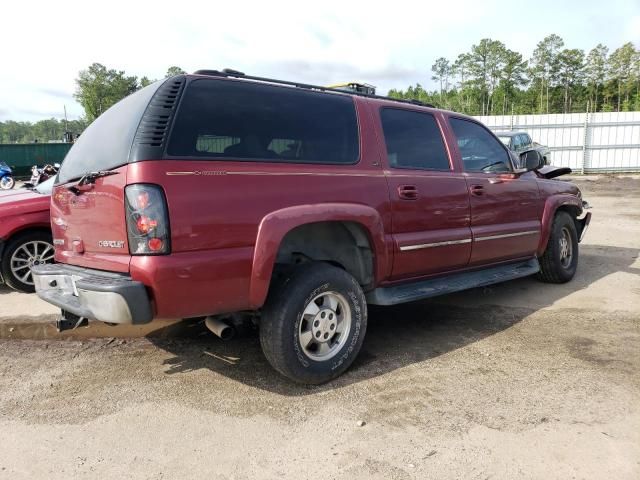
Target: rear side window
480, 151
248, 121
413, 140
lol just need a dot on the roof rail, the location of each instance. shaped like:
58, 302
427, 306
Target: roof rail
228, 72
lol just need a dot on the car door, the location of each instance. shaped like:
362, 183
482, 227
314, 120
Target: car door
429, 199
505, 207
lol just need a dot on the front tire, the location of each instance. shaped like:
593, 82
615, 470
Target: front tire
559, 262
313, 324
21, 253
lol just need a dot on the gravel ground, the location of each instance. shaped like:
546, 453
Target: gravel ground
520, 380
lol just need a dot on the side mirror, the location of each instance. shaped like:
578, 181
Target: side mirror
531, 160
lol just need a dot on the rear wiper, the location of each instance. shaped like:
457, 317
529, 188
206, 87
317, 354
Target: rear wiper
89, 179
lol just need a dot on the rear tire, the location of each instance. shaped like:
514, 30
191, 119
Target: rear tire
313, 324
559, 262
21, 252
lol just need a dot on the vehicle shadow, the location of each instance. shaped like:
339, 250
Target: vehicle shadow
396, 336
4, 289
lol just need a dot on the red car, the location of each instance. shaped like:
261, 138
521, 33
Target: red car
25, 234
216, 192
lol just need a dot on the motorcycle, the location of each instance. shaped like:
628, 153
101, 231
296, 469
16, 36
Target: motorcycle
7, 182
39, 175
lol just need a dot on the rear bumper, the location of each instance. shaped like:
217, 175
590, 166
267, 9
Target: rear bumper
93, 294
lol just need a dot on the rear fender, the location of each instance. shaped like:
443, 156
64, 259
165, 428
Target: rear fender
551, 206
276, 225
28, 221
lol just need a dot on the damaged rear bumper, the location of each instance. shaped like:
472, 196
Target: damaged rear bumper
93, 294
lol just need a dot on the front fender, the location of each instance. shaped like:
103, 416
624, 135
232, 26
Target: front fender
276, 225
551, 206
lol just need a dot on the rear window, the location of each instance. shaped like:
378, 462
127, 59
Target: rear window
105, 144
255, 122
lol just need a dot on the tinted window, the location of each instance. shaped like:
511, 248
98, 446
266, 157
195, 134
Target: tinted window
242, 120
105, 144
481, 151
413, 140
526, 140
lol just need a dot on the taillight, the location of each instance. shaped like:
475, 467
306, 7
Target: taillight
147, 220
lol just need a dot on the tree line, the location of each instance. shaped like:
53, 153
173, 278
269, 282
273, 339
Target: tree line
42, 131
97, 89
491, 79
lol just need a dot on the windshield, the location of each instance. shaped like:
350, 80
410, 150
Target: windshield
45, 187
505, 140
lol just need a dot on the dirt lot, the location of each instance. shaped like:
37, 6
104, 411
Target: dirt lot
520, 380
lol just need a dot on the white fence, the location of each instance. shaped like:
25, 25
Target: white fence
586, 142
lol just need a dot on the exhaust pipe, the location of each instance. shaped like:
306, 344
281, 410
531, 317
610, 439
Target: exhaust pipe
219, 328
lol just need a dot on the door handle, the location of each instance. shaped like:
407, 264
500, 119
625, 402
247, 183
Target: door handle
494, 180
477, 190
408, 192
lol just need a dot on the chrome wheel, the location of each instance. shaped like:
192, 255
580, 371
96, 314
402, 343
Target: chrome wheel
26, 256
566, 248
324, 326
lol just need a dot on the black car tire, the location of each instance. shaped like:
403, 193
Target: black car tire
281, 322
554, 266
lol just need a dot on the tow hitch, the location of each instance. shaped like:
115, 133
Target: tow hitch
69, 321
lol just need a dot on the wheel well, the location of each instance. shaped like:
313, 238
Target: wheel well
574, 212
571, 210
344, 244
27, 230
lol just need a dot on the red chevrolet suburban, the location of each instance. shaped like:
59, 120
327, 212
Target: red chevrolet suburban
218, 192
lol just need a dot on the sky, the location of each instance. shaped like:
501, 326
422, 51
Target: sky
44, 44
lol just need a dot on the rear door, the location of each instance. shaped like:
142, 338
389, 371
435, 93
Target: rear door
88, 226
505, 207
429, 198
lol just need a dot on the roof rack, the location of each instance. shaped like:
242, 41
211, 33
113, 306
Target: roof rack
228, 72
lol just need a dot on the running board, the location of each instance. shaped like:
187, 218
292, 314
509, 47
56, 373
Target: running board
410, 292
